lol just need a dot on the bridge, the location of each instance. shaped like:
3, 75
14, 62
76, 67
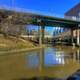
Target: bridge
42, 21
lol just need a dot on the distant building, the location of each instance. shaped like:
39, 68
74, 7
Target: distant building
73, 13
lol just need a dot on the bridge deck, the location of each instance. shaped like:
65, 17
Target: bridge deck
36, 19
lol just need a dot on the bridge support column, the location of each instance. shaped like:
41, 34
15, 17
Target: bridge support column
78, 38
72, 37
41, 35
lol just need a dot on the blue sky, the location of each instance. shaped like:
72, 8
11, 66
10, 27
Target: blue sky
46, 7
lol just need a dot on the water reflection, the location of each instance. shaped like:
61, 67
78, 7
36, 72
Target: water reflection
51, 57
46, 57
33, 60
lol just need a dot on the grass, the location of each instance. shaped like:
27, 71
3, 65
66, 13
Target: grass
12, 43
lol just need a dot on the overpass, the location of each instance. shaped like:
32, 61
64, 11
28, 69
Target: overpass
40, 20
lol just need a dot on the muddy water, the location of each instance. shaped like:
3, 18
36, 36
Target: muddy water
53, 62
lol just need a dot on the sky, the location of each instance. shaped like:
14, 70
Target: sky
45, 7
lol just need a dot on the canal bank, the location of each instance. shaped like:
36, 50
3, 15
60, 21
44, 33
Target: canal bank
21, 50
67, 49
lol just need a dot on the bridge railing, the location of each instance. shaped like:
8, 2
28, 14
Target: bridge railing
72, 18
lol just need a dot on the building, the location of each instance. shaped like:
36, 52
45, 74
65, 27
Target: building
73, 13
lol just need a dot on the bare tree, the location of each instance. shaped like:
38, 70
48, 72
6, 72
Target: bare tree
14, 24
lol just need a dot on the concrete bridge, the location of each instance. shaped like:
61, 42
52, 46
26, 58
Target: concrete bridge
42, 21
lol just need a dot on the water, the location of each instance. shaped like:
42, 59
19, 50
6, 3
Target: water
51, 62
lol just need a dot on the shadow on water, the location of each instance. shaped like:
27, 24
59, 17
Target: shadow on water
38, 78
75, 76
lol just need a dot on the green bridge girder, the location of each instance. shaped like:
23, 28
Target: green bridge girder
37, 19
54, 21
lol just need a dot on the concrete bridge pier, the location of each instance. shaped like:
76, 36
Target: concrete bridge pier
41, 35
72, 37
78, 37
